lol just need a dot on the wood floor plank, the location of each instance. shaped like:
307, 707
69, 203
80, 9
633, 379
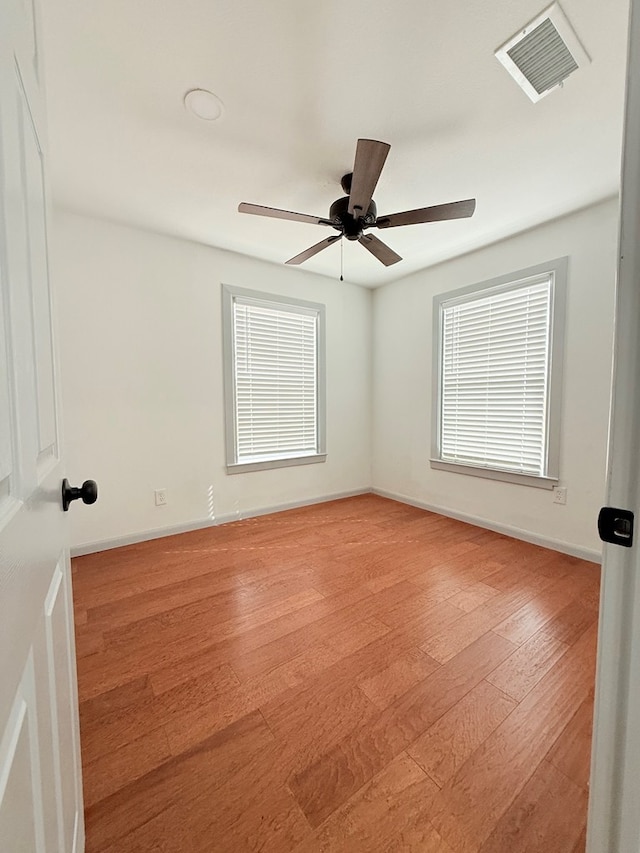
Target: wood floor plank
260, 686
517, 747
449, 742
327, 783
333, 615
267, 645
455, 574
219, 818
527, 665
120, 767
571, 753
512, 577
195, 709
572, 621
418, 562
538, 612
203, 665
581, 843
414, 605
473, 596
524, 555
192, 621
427, 622
351, 639
89, 641
158, 648
113, 729
189, 597
112, 576
545, 809
452, 640
188, 722
407, 669
234, 638
369, 662
128, 694
203, 769
389, 813
320, 711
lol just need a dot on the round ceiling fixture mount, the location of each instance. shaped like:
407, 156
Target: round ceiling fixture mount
203, 104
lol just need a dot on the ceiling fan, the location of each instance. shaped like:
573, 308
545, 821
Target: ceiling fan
355, 212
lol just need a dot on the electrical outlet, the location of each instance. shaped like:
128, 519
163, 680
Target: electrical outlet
560, 495
161, 497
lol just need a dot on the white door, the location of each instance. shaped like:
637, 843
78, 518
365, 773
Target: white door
614, 808
40, 789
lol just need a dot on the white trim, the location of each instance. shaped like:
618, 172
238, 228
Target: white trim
515, 532
557, 271
266, 464
231, 294
495, 474
614, 818
78, 835
254, 513
144, 536
187, 527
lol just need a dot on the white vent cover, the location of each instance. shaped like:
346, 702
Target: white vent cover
542, 55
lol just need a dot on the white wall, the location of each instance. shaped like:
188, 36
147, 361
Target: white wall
403, 383
141, 369
139, 322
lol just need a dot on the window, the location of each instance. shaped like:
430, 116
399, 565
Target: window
498, 352
274, 380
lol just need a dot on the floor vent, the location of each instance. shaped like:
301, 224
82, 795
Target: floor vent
543, 54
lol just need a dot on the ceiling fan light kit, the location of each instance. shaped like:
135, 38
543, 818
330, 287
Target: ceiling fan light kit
355, 212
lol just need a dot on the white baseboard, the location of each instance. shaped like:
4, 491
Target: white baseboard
200, 524
515, 532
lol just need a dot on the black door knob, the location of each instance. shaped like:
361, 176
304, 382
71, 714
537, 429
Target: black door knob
88, 491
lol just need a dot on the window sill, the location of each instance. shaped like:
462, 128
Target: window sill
496, 474
265, 464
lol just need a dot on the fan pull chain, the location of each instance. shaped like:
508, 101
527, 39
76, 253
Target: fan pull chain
341, 259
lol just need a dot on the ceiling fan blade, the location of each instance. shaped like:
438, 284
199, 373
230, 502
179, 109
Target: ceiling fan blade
370, 158
381, 251
313, 250
437, 213
277, 213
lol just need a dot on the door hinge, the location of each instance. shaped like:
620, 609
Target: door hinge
616, 526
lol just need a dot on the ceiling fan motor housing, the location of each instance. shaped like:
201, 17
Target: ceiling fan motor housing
350, 225
356, 211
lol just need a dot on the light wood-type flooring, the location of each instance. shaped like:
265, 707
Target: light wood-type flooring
353, 676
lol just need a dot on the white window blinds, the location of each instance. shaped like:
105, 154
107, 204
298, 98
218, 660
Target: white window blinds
495, 378
275, 376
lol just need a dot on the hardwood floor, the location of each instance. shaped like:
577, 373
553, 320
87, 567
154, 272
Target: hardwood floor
354, 676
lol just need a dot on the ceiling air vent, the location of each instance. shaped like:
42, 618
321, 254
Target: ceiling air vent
543, 54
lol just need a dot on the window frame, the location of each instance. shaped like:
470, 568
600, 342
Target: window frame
230, 294
557, 270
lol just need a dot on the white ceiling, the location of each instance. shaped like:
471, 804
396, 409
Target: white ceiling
301, 81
